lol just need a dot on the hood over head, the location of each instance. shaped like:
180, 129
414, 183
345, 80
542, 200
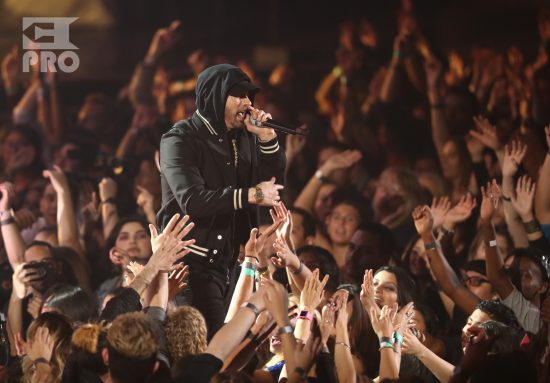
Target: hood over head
213, 86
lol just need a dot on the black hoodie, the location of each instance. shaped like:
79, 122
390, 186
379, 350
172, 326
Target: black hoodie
198, 177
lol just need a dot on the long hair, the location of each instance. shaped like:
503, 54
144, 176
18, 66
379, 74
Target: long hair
406, 288
60, 331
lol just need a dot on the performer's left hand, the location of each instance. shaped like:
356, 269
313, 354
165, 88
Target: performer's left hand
255, 118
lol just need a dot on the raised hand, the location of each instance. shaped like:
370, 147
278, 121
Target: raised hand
41, 346
403, 318
265, 194
8, 195
163, 40
523, 200
343, 160
18, 281
285, 256
107, 189
367, 292
57, 178
486, 133
460, 212
176, 228
168, 246
294, 144
312, 293
434, 72
280, 213
328, 318
423, 220
276, 301
382, 323
513, 155
489, 204
145, 200
11, 67
177, 281
440, 208
342, 316
411, 344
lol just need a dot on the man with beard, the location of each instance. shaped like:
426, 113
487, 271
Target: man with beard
214, 166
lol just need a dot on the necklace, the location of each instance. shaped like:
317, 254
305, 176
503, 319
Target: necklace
235, 152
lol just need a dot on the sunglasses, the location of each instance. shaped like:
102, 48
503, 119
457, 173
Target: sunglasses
474, 281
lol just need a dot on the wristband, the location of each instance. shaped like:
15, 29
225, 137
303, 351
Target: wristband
396, 54
252, 307
299, 269
109, 200
506, 198
343, 344
386, 339
307, 315
249, 272
253, 256
531, 226
285, 330
7, 221
250, 265
7, 211
384, 345
319, 175
445, 231
398, 338
491, 243
430, 246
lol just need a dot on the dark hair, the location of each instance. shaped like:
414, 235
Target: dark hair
363, 340
499, 312
327, 265
231, 377
508, 367
111, 240
507, 339
406, 288
76, 304
32, 137
308, 222
432, 321
535, 256
386, 241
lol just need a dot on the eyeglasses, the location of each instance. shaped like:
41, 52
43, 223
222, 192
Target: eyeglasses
474, 281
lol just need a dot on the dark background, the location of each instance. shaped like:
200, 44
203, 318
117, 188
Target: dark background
304, 32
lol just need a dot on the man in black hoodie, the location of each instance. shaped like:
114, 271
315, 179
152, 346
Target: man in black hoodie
215, 166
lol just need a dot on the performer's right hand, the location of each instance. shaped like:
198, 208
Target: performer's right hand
265, 193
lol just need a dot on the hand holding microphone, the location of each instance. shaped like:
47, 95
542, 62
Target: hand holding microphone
262, 125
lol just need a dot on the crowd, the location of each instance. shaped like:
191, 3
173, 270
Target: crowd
412, 242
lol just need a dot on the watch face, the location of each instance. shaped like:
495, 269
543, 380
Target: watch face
303, 313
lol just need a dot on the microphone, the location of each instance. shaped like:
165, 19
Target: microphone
277, 126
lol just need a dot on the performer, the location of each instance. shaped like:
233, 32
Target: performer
216, 166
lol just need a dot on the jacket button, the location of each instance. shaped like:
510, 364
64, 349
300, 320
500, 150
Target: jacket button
211, 260
215, 251
220, 237
228, 163
220, 140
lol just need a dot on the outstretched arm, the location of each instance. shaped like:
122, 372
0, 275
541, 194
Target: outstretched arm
495, 268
